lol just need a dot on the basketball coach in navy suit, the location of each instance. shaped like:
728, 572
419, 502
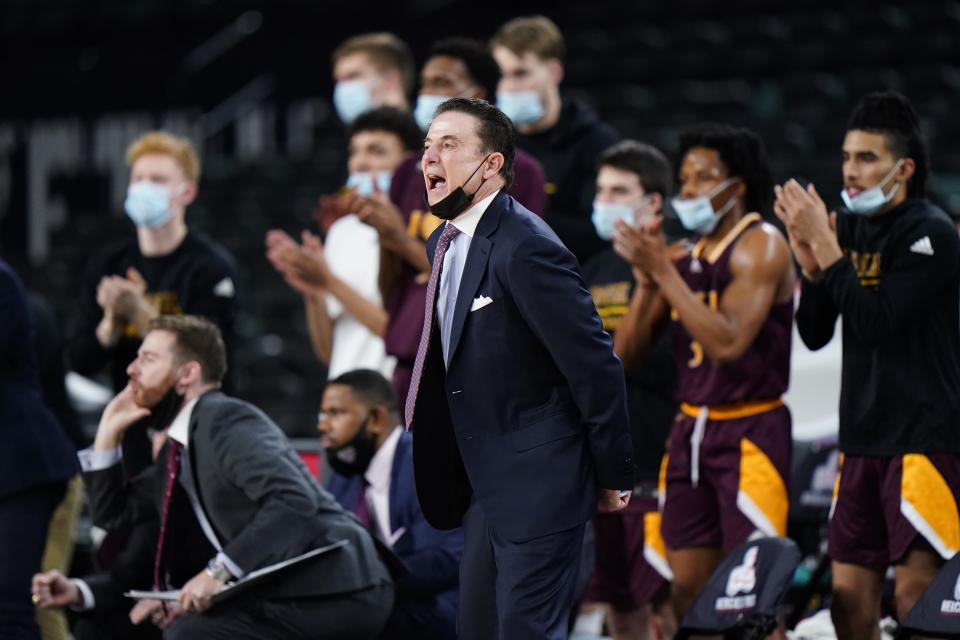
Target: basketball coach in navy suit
517, 402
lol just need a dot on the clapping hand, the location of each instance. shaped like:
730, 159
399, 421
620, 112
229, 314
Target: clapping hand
304, 267
381, 214
330, 208
124, 301
808, 224
121, 297
645, 248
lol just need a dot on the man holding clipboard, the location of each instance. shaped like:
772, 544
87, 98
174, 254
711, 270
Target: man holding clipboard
232, 498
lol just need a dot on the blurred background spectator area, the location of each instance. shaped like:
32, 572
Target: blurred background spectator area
249, 83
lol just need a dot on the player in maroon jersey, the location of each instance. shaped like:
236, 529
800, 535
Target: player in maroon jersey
730, 300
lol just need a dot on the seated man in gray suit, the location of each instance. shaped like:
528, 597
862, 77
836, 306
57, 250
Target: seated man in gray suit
231, 493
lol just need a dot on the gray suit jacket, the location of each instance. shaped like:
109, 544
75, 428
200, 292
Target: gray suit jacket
260, 499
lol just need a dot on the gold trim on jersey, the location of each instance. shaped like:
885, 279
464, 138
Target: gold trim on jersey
836, 487
727, 240
662, 478
929, 504
654, 548
761, 492
422, 224
733, 411
613, 310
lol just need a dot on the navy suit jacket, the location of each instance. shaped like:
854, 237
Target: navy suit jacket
530, 416
431, 556
35, 449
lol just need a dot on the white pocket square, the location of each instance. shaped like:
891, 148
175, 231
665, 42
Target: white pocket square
480, 302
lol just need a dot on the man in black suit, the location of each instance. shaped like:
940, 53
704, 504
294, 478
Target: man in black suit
517, 402
230, 489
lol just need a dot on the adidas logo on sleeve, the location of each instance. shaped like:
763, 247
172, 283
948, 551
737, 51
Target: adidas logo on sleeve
225, 288
922, 246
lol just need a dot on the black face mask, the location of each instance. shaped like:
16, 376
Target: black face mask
455, 203
352, 458
163, 413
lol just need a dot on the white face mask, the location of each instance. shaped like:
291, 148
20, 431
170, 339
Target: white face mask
148, 204
869, 201
697, 214
522, 107
367, 183
605, 214
351, 98
427, 104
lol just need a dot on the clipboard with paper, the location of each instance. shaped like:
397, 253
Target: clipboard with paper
234, 587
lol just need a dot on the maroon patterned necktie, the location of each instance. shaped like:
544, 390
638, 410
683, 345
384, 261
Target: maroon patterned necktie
173, 470
449, 233
361, 508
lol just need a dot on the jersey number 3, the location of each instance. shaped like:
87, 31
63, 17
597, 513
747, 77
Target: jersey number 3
712, 300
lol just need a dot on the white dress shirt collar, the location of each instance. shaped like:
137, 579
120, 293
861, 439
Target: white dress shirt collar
180, 427
381, 464
468, 220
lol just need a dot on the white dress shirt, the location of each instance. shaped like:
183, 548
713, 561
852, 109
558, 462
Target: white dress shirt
453, 262
352, 250
378, 478
87, 601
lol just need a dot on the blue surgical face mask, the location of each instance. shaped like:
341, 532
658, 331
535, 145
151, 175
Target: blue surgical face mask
605, 214
523, 107
427, 104
351, 98
148, 204
697, 214
869, 201
363, 182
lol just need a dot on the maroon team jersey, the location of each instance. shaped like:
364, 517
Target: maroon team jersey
763, 371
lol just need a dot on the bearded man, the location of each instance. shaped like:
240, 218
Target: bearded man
232, 497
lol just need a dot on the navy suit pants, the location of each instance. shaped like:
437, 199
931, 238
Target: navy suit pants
516, 590
24, 519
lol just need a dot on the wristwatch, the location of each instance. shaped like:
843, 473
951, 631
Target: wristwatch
217, 570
